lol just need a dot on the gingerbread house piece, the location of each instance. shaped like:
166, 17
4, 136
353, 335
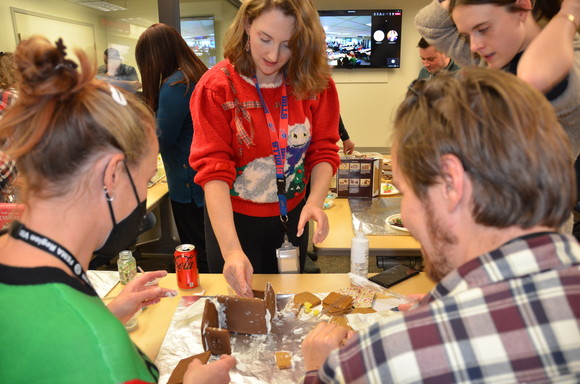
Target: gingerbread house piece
214, 338
248, 315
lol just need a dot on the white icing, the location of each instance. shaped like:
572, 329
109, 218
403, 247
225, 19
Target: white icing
268, 321
221, 310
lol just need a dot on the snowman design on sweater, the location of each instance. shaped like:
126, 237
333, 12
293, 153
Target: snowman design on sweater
256, 181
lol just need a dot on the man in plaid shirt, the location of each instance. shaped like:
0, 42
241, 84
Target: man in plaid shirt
486, 176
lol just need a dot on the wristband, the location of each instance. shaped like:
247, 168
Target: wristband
571, 18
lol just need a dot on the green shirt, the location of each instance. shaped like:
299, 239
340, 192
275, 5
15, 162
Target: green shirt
56, 330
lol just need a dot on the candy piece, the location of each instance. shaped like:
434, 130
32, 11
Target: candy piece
283, 360
306, 297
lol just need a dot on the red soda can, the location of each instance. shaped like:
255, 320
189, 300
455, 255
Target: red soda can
186, 266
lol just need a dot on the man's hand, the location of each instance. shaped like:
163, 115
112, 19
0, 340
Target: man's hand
413, 300
318, 344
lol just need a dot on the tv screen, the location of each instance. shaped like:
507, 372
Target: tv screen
363, 38
199, 33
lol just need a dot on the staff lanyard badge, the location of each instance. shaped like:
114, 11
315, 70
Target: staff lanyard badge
288, 257
287, 254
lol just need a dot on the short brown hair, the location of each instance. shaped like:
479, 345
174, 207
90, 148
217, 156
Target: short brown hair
423, 44
307, 71
507, 137
64, 119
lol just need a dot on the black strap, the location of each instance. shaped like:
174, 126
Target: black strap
20, 232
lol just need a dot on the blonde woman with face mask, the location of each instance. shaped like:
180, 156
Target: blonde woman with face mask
85, 152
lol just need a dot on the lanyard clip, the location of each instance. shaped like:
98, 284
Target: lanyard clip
281, 186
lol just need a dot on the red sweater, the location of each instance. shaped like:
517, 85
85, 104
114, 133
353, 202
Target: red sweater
231, 141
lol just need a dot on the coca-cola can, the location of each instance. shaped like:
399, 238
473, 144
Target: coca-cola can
186, 266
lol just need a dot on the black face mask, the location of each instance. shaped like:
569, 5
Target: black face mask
124, 233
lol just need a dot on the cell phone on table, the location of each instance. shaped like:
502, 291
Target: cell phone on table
394, 275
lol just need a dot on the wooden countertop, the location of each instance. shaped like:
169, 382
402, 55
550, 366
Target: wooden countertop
338, 241
155, 320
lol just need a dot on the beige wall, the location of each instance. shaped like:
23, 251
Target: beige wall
66, 10
369, 98
222, 11
111, 28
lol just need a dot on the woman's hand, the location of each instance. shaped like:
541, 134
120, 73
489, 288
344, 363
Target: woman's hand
318, 344
140, 292
319, 181
238, 273
314, 212
348, 146
216, 372
571, 7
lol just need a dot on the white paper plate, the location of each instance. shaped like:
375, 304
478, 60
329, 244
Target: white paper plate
392, 189
391, 219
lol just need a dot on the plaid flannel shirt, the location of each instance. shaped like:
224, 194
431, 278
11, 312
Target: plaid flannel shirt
511, 315
7, 98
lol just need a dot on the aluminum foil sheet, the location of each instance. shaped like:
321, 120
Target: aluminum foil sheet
103, 281
372, 213
255, 353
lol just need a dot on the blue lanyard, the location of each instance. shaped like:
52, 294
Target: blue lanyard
279, 143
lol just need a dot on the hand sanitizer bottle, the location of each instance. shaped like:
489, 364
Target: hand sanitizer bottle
359, 254
127, 266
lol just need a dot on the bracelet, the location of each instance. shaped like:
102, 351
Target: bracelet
571, 18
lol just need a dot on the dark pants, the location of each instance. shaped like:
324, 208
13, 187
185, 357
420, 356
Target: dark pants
259, 237
189, 220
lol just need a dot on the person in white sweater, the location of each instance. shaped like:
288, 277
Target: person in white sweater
537, 41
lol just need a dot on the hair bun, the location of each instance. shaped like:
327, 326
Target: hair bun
44, 69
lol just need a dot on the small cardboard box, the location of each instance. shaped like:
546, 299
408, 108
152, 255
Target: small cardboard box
358, 177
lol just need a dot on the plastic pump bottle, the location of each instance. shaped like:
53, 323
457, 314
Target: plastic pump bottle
359, 254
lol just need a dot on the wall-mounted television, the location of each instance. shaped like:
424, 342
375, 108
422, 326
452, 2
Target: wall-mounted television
363, 38
199, 33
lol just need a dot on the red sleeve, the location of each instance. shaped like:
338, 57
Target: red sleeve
326, 114
211, 149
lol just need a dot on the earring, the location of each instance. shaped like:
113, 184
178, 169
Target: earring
107, 196
248, 45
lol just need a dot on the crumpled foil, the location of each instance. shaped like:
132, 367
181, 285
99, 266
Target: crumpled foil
255, 354
103, 281
372, 214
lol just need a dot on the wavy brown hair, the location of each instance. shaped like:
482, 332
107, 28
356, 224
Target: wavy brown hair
307, 70
7, 70
65, 118
161, 51
541, 9
513, 149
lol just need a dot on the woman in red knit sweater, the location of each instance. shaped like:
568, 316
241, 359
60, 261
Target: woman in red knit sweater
265, 125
